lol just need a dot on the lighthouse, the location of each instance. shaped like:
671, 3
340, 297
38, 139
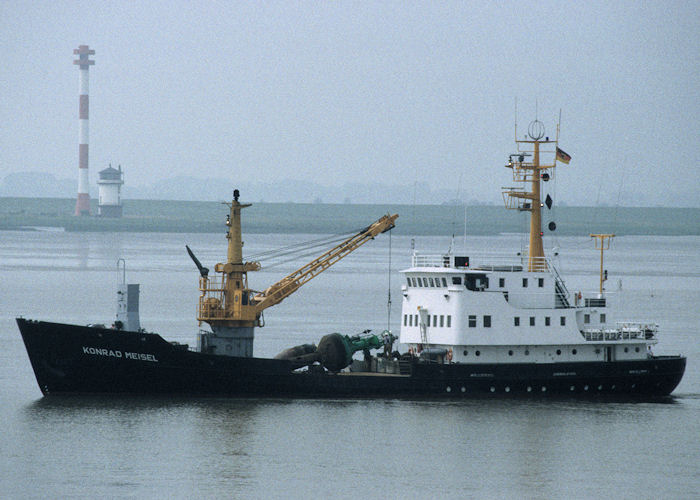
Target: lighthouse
109, 186
82, 204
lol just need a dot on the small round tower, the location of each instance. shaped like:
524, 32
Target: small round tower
109, 186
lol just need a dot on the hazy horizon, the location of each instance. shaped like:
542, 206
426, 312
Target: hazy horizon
413, 102
282, 192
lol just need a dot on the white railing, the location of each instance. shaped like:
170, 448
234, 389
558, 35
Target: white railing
431, 260
485, 262
624, 331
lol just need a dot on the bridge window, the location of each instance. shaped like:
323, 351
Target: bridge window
562, 321
409, 281
405, 319
415, 320
487, 321
444, 282
437, 282
476, 282
532, 321
434, 319
442, 320
546, 321
432, 283
602, 318
449, 321
516, 321
586, 318
425, 282
456, 280
410, 320
501, 282
524, 282
472, 321
540, 282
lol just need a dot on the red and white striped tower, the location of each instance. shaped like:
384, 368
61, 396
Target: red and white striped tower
82, 205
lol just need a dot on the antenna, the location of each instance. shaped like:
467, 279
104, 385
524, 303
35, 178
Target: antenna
388, 302
558, 125
516, 118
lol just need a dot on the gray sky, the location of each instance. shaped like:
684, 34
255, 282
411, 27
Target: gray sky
341, 92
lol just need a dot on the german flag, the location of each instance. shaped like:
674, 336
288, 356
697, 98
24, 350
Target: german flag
563, 156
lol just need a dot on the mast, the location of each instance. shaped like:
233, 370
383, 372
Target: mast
532, 174
234, 235
602, 243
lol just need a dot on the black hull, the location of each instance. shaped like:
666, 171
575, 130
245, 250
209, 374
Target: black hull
70, 359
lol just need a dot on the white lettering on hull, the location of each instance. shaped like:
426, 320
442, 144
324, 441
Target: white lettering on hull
137, 356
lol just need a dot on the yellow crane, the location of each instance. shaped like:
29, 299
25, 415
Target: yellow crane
232, 308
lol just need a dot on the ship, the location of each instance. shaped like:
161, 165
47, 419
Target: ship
470, 326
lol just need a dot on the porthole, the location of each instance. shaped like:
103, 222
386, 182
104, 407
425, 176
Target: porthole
510, 353
574, 351
527, 353
448, 389
600, 387
572, 388
464, 389
493, 389
478, 353
529, 389
634, 385
507, 389
585, 387
626, 349
636, 349
466, 352
544, 389
612, 387
558, 352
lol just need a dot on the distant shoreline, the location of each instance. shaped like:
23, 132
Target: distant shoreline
323, 218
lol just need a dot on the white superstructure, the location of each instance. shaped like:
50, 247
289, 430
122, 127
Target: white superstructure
497, 312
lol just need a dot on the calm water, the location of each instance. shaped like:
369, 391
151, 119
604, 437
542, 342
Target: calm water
213, 448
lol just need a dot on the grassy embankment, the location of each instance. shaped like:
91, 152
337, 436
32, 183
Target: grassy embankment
197, 217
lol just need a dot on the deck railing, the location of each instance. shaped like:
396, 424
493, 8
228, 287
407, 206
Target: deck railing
624, 331
483, 262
